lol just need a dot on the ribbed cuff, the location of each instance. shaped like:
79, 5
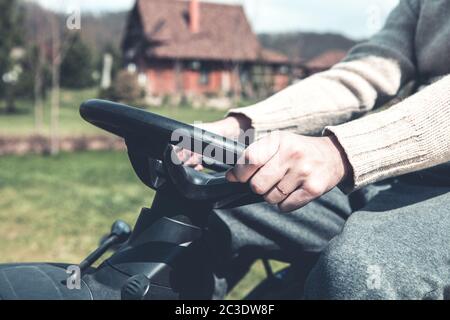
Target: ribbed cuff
377, 149
413, 135
257, 119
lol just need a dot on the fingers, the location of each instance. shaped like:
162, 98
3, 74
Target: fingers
268, 176
189, 159
193, 160
311, 189
287, 185
199, 168
296, 200
254, 157
291, 174
181, 156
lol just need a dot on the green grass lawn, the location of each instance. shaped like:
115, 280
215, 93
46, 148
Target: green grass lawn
57, 208
71, 123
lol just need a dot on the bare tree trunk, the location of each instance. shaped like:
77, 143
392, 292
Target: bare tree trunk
38, 106
55, 92
54, 110
38, 90
10, 99
40, 36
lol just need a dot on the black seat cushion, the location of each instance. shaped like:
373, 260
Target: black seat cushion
38, 282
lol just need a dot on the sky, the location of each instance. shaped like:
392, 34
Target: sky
354, 18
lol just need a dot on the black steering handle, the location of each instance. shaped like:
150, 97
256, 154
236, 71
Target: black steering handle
155, 130
150, 139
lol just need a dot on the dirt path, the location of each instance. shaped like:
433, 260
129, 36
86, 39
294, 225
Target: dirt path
36, 144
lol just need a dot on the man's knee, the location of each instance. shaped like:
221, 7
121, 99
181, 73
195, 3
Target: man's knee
351, 267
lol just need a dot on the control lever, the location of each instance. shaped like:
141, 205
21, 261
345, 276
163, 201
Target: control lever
120, 232
135, 288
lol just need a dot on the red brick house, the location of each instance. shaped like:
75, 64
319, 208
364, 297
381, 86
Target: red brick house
192, 48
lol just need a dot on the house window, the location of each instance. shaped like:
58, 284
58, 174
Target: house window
204, 77
195, 65
244, 76
283, 70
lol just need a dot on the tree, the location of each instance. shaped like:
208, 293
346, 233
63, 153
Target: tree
55, 91
10, 35
61, 41
39, 84
34, 80
77, 67
38, 43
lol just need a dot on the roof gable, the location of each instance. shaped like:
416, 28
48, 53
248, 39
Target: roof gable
225, 33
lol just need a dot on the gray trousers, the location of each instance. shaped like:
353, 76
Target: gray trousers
387, 241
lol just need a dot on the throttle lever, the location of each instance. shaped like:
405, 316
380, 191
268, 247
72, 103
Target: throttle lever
120, 232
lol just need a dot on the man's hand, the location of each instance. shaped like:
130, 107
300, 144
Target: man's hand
291, 170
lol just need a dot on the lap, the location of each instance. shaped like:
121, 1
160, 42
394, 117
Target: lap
397, 246
264, 227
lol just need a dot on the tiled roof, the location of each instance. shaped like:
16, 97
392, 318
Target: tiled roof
272, 56
225, 33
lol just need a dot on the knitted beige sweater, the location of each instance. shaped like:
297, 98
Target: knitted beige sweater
412, 135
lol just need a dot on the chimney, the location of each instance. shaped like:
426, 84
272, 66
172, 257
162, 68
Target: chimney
194, 16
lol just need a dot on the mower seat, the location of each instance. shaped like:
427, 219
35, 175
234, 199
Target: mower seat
38, 282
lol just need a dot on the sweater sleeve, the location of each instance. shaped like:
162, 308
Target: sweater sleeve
410, 136
372, 71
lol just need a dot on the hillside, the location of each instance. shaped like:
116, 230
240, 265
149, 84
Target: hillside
103, 30
305, 46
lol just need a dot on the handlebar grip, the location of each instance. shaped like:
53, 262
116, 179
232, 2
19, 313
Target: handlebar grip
154, 132
215, 149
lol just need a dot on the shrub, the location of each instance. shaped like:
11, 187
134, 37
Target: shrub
125, 89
